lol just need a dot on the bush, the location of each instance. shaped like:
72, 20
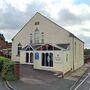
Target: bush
7, 69
1, 65
3, 59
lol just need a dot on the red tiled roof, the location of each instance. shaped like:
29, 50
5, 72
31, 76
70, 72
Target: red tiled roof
4, 44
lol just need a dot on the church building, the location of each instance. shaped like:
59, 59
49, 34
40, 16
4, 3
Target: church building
47, 46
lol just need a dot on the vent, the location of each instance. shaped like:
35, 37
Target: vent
37, 23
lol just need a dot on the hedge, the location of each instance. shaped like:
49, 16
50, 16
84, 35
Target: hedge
7, 69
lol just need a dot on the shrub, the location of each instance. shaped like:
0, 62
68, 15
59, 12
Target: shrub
2, 60
7, 69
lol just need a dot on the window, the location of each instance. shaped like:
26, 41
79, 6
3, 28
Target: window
31, 57
36, 36
27, 57
43, 59
51, 59
19, 48
66, 57
30, 38
75, 48
79, 49
47, 59
42, 37
37, 23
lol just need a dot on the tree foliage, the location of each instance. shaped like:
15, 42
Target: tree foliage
2, 37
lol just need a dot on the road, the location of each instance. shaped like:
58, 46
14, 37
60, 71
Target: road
84, 82
2, 85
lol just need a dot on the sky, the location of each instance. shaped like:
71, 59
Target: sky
73, 15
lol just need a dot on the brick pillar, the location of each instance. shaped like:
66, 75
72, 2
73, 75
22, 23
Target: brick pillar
17, 70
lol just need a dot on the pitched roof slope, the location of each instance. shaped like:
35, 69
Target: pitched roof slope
72, 35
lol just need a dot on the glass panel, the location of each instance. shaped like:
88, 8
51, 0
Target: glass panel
19, 48
43, 59
51, 59
30, 38
47, 59
36, 36
42, 37
27, 57
31, 57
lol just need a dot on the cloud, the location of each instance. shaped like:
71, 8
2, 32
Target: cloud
11, 19
9, 33
68, 18
20, 5
34, 7
86, 40
73, 16
14, 19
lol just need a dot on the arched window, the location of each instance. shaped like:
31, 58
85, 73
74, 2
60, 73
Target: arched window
42, 37
27, 57
36, 36
19, 48
31, 38
43, 59
31, 57
51, 59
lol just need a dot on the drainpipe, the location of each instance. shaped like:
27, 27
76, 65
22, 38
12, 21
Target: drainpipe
73, 51
72, 42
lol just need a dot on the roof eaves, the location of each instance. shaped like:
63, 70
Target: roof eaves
24, 26
60, 27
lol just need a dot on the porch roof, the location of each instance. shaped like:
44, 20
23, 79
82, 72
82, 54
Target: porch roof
38, 46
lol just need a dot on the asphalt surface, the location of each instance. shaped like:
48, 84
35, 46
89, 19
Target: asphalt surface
85, 85
84, 82
34, 85
40, 80
2, 85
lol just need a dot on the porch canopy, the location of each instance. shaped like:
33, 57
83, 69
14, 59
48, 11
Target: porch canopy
49, 47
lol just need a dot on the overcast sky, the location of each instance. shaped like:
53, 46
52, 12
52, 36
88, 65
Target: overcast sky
73, 15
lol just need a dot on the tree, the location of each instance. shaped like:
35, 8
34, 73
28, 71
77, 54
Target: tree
2, 37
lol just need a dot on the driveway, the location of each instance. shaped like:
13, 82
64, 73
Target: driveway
2, 85
32, 79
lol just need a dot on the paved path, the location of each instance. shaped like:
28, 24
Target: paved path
2, 85
84, 82
85, 85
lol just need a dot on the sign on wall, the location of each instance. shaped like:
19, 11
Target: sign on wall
36, 56
58, 59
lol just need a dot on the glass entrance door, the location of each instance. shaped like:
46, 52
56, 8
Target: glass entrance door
47, 59
29, 58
